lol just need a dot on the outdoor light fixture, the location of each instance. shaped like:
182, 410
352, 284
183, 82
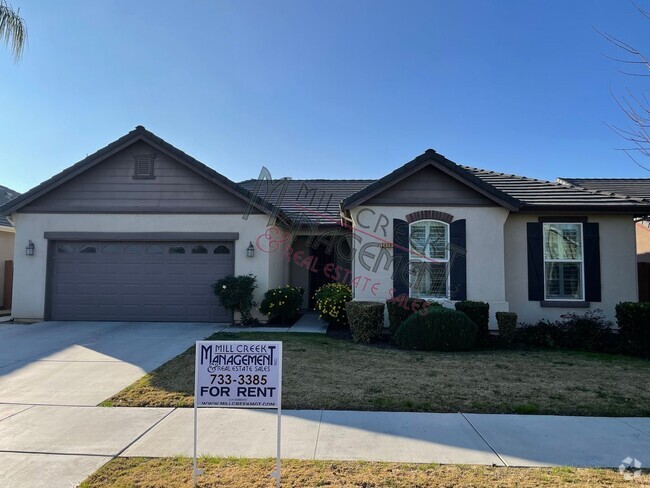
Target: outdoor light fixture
250, 250
29, 250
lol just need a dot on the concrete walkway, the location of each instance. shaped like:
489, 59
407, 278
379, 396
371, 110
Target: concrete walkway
309, 323
69, 443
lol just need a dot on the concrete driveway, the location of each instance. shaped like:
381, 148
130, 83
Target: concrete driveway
83, 363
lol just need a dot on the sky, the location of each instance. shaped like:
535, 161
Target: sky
327, 89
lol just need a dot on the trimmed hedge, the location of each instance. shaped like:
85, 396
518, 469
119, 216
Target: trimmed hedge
366, 320
439, 330
634, 327
507, 322
402, 307
479, 312
583, 332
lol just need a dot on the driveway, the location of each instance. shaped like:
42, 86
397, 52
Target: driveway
84, 363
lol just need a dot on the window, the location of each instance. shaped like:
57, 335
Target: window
65, 249
135, 249
177, 250
111, 249
221, 250
88, 250
563, 261
154, 250
144, 166
428, 259
199, 250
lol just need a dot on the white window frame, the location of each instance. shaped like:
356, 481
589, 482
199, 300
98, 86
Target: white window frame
415, 256
581, 261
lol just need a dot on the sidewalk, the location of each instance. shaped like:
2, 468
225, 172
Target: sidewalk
69, 443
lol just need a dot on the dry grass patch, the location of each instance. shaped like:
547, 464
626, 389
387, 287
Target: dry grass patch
325, 373
254, 473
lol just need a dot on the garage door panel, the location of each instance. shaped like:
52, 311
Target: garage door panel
137, 281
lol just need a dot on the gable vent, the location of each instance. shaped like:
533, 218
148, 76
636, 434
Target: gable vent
144, 166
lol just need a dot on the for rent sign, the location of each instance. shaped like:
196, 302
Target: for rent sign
244, 374
238, 374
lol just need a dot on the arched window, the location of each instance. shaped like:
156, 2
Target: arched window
221, 250
199, 250
135, 249
65, 249
155, 249
88, 250
111, 249
429, 259
177, 250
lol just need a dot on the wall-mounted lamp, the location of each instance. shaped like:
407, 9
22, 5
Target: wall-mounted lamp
250, 250
29, 250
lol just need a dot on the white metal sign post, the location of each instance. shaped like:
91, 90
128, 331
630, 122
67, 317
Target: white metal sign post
238, 374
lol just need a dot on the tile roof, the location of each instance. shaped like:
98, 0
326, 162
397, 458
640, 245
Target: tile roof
6, 194
317, 199
631, 187
546, 195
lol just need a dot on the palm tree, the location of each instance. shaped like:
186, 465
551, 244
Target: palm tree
13, 30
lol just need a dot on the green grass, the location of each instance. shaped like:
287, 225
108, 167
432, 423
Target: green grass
325, 373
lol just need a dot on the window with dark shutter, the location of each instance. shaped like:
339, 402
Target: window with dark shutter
144, 166
458, 261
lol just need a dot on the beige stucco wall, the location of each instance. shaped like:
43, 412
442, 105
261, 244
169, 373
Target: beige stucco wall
29, 271
485, 258
7, 244
617, 267
642, 243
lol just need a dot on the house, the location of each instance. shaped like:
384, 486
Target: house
139, 230
635, 189
7, 239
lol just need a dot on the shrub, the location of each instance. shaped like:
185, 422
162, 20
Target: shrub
586, 332
236, 295
542, 334
479, 312
366, 320
439, 330
634, 327
330, 303
281, 305
402, 307
507, 322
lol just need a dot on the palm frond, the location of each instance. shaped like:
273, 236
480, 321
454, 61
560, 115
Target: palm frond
13, 30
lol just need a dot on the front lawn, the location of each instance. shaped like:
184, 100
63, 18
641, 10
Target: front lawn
254, 473
321, 372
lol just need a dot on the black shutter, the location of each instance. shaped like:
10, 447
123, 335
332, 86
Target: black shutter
592, 261
400, 256
535, 261
457, 261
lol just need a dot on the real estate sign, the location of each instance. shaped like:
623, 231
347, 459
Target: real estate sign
238, 374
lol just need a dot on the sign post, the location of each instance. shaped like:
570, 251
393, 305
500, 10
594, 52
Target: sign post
238, 374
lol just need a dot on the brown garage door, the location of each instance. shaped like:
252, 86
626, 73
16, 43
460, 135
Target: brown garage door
138, 281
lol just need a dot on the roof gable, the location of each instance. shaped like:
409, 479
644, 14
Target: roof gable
451, 172
136, 137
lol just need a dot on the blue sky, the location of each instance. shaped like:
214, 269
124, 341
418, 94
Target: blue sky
322, 89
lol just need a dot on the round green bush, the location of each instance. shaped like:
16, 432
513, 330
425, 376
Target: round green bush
281, 305
330, 303
440, 329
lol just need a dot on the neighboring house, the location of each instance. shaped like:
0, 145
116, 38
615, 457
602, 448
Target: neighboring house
139, 230
637, 189
7, 233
